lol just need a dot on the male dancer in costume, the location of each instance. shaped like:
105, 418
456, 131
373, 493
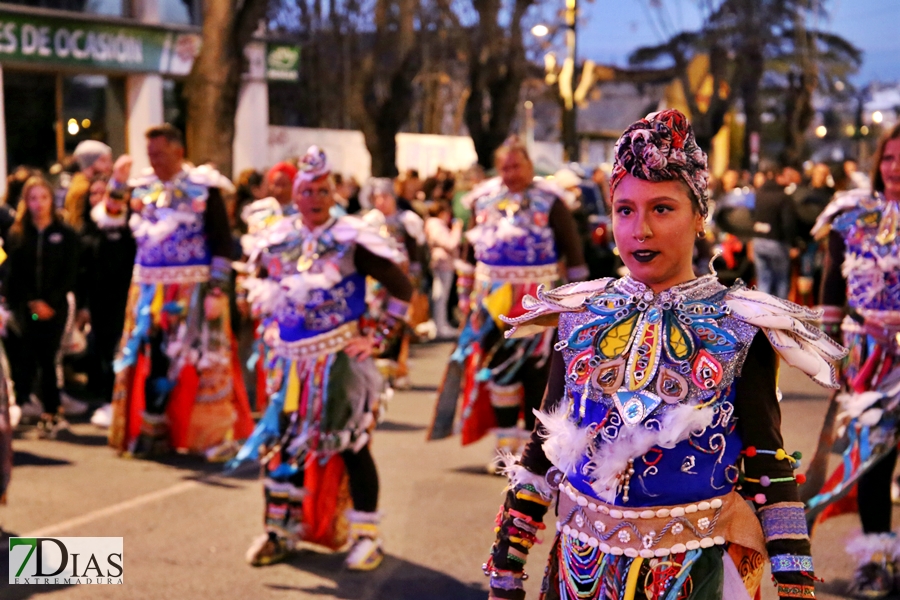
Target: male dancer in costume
177, 381
523, 236
307, 280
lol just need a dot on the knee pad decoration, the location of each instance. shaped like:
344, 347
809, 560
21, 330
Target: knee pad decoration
284, 509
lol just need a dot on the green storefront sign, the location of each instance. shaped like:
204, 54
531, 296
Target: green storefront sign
40, 39
282, 62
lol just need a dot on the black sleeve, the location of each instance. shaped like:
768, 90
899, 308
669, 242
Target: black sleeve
834, 287
533, 457
218, 231
85, 268
759, 425
13, 288
565, 232
384, 271
789, 221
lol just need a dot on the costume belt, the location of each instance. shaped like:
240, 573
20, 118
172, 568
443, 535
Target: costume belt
318, 345
185, 274
517, 274
660, 530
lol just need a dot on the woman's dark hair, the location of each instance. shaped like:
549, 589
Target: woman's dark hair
23, 215
877, 180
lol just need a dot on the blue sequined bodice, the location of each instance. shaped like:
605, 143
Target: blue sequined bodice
872, 254
169, 230
652, 378
321, 288
513, 229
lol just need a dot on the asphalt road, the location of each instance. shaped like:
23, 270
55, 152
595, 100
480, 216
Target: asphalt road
186, 527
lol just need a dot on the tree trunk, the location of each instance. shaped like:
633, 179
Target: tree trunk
213, 85
497, 69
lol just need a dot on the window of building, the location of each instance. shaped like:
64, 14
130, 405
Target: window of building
53, 112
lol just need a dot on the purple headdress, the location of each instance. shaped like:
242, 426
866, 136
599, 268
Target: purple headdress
662, 147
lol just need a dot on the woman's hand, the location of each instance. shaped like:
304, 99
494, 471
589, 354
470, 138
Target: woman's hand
41, 310
360, 347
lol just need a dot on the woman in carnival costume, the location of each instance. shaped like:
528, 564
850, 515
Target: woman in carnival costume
178, 382
661, 417
407, 229
862, 273
307, 280
522, 236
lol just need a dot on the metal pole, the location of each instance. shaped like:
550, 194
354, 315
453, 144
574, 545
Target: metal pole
570, 115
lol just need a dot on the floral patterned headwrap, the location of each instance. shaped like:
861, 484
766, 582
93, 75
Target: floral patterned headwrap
662, 147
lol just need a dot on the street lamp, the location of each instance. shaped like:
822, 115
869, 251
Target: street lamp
877, 117
540, 30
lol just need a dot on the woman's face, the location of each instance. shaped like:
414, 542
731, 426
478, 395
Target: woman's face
98, 190
39, 203
890, 169
314, 200
655, 225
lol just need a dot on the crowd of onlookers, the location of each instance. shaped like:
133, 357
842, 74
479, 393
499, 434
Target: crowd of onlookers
762, 224
65, 281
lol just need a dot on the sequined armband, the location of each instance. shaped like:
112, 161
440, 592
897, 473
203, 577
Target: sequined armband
220, 273
790, 590
784, 521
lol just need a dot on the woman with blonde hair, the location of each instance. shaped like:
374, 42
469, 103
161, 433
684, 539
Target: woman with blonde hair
43, 263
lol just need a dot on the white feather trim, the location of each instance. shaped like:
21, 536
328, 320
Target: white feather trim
518, 476
609, 460
792, 330
565, 443
873, 547
841, 202
105, 220
167, 221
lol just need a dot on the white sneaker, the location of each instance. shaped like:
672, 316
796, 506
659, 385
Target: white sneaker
33, 407
71, 406
365, 555
102, 417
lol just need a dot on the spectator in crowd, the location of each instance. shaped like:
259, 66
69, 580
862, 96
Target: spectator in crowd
443, 235
774, 231
250, 186
811, 200
94, 160
15, 181
854, 178
42, 270
108, 248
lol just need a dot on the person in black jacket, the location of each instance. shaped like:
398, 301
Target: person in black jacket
43, 264
108, 259
774, 230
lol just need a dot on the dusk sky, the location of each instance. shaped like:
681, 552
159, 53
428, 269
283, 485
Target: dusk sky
611, 29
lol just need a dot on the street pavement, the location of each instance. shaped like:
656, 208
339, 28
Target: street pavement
186, 527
